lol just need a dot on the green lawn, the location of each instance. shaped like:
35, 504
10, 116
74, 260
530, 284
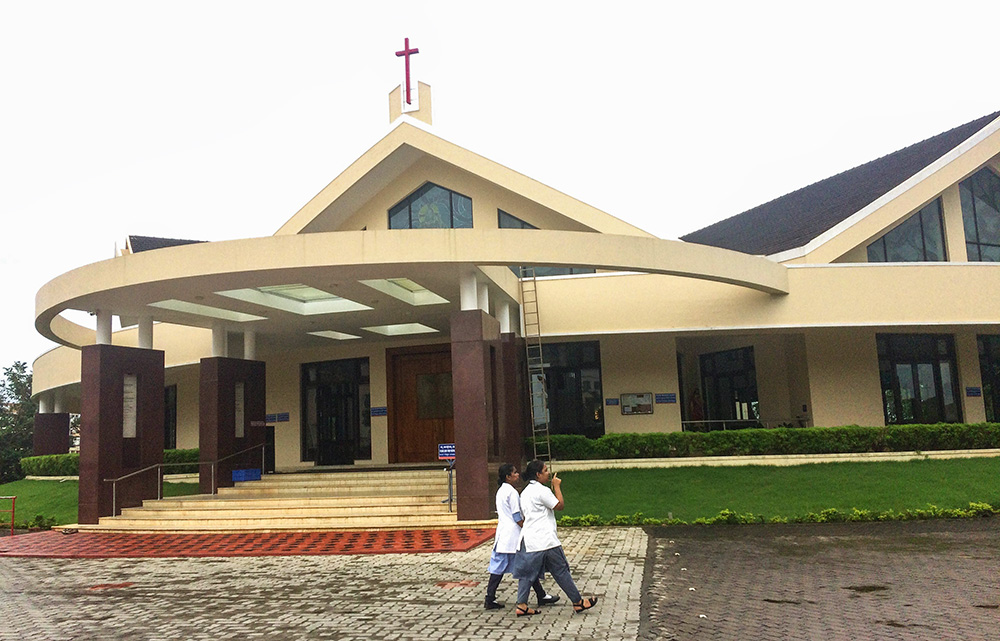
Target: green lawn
58, 499
692, 492
689, 493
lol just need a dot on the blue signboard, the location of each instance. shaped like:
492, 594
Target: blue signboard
666, 398
282, 417
611, 401
270, 418
973, 391
446, 451
380, 411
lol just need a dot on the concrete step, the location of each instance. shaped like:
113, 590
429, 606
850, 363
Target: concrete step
207, 501
266, 524
282, 511
355, 500
321, 490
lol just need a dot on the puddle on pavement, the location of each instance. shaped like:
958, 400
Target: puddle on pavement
865, 589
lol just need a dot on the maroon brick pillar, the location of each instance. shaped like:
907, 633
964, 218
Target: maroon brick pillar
515, 418
218, 436
473, 333
106, 449
51, 434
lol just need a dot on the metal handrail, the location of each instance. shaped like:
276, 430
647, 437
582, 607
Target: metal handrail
159, 467
720, 424
13, 499
451, 491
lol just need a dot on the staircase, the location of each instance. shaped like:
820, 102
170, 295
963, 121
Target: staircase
362, 500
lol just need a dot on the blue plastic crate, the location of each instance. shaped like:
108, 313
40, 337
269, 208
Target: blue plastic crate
246, 475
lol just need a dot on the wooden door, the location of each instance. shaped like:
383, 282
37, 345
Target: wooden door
421, 411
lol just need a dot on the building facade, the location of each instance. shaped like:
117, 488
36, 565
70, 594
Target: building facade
384, 317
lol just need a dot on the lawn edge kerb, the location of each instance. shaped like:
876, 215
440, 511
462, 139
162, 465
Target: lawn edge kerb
832, 515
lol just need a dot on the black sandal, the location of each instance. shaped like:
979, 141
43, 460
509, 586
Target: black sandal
525, 611
584, 604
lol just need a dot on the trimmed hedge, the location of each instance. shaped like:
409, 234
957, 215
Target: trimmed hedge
832, 515
51, 465
69, 464
800, 440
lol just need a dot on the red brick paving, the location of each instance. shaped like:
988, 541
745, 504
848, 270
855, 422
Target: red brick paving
103, 545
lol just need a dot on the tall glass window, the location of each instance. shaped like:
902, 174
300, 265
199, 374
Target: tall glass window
573, 386
432, 207
919, 238
919, 378
981, 215
989, 367
506, 221
729, 380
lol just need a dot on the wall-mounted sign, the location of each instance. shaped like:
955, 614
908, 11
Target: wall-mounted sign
668, 397
641, 403
130, 391
240, 426
611, 401
973, 391
280, 417
380, 411
446, 451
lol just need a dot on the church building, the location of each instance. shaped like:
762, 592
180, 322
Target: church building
388, 316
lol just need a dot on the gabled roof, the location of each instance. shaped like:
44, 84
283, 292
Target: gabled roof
138, 244
409, 143
795, 219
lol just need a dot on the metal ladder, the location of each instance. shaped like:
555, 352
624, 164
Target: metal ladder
536, 368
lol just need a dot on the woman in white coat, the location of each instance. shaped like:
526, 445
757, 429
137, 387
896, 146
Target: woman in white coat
508, 537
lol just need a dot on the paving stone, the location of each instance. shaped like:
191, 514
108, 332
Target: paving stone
336, 597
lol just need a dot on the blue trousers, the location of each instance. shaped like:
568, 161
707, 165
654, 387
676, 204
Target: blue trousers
528, 565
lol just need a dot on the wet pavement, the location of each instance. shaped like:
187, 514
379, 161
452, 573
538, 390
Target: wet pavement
920, 580
888, 581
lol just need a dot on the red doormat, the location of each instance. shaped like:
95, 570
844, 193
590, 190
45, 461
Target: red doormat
100, 545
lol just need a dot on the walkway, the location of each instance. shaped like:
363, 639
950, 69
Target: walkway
886, 581
98, 545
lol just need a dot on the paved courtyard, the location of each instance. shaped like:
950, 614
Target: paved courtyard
906, 581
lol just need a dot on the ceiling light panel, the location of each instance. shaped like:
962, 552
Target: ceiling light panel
401, 329
405, 290
296, 299
206, 310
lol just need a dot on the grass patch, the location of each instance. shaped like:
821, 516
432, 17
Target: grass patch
57, 500
690, 493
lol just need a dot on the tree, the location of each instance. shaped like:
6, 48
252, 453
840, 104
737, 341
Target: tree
17, 420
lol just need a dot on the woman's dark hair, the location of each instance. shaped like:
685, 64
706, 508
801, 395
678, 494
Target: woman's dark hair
532, 470
505, 470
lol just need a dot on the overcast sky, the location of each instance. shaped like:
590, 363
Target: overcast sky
219, 120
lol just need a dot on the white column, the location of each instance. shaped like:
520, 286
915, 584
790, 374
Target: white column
467, 287
219, 340
250, 345
103, 327
484, 297
503, 315
57, 402
44, 404
146, 332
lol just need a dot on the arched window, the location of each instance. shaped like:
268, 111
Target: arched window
432, 207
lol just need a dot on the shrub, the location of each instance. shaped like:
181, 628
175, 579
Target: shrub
832, 515
69, 464
51, 465
802, 440
181, 456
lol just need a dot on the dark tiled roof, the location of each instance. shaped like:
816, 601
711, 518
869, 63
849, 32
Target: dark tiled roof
147, 243
796, 218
